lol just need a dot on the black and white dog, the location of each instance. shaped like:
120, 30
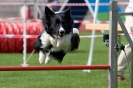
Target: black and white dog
58, 37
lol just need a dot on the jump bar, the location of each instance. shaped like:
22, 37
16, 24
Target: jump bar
99, 27
126, 13
36, 68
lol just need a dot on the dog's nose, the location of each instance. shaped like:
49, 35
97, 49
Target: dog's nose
62, 31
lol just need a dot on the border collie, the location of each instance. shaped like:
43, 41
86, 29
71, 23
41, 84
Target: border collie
58, 37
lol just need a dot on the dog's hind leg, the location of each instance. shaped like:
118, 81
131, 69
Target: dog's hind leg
75, 30
58, 55
75, 40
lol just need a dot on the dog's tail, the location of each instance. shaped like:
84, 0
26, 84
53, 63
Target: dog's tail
75, 30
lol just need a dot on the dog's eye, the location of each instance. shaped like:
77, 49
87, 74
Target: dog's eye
56, 24
63, 22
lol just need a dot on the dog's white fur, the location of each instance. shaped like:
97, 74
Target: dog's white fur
57, 42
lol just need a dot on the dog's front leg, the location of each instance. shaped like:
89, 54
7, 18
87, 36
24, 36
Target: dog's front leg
46, 52
42, 56
48, 57
43, 53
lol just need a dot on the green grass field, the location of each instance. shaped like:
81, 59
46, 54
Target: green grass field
60, 79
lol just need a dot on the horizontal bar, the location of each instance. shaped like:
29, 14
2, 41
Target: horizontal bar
11, 20
99, 27
36, 68
126, 13
35, 36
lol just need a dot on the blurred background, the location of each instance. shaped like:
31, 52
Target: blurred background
12, 8
82, 11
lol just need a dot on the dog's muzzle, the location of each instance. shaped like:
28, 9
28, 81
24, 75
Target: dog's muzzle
61, 33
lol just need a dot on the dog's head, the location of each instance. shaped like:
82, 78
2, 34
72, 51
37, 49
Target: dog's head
57, 23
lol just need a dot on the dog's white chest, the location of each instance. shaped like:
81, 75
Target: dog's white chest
61, 43
45, 39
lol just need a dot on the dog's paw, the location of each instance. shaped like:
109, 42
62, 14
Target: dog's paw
41, 57
48, 58
75, 30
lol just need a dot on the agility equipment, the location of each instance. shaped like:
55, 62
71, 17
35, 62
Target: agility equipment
36, 68
58, 4
114, 18
100, 27
11, 36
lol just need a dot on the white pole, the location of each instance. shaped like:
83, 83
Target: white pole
90, 8
35, 10
93, 33
24, 39
63, 6
38, 10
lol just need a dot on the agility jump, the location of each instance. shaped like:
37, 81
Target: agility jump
42, 68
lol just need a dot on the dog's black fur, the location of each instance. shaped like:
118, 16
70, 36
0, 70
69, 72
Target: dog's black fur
51, 21
57, 26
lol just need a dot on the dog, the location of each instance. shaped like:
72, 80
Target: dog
58, 36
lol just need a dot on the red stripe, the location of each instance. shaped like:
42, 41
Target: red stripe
35, 68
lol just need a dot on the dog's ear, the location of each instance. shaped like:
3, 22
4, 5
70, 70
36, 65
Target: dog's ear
48, 12
68, 12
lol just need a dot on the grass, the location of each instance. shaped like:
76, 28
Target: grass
105, 16
60, 79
